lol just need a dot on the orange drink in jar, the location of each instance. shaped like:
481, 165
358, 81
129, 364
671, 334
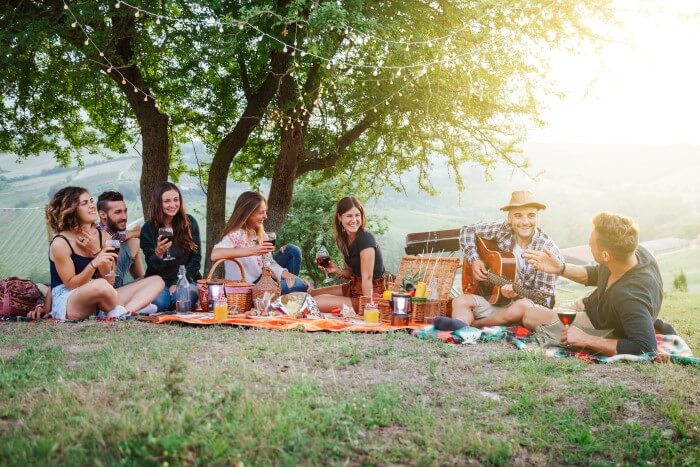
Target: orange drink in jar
371, 313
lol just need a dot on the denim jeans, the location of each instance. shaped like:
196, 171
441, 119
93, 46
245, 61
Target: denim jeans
290, 258
298, 286
165, 300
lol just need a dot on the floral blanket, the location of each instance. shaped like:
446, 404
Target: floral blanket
670, 348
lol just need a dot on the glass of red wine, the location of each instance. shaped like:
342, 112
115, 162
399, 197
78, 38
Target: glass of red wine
167, 232
115, 245
271, 237
323, 260
566, 313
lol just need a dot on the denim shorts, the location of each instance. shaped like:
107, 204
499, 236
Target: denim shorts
59, 300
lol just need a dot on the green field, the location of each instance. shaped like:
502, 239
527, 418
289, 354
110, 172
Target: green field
142, 394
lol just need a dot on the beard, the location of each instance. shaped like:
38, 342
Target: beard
113, 226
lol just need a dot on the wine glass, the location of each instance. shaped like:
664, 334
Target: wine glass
323, 260
566, 312
271, 237
166, 232
115, 245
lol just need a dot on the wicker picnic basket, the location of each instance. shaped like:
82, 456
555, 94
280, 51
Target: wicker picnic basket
441, 269
239, 294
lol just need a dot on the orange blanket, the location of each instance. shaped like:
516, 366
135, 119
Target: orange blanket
280, 323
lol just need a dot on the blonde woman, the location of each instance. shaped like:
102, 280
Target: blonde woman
244, 238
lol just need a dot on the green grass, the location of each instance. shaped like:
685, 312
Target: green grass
135, 393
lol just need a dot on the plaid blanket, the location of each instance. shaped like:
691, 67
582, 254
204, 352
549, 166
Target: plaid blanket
670, 348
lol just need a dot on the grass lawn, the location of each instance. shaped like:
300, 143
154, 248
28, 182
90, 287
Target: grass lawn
135, 393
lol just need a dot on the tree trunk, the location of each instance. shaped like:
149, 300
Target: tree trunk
155, 156
231, 144
282, 187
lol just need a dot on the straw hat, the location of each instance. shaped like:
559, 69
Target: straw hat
519, 199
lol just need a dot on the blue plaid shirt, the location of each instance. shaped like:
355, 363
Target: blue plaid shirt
502, 233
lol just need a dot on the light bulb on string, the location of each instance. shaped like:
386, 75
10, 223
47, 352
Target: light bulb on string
136, 89
87, 41
137, 14
398, 72
145, 98
284, 50
123, 80
102, 54
221, 29
158, 20
74, 24
65, 6
117, 5
109, 70
303, 53
375, 72
328, 66
240, 26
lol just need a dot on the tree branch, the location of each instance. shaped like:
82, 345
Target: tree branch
330, 159
245, 79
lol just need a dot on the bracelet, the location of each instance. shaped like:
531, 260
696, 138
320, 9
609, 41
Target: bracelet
563, 268
93, 265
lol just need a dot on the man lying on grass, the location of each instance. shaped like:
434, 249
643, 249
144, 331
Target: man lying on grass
619, 314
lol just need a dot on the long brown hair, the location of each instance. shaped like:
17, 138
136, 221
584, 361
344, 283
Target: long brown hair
341, 236
61, 211
182, 229
246, 204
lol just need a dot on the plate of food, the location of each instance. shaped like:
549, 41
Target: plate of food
360, 322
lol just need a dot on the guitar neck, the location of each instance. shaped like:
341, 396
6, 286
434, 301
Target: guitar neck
538, 297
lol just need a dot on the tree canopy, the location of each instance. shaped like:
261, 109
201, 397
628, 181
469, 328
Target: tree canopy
276, 89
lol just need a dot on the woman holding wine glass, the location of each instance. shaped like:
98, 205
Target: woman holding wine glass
81, 262
245, 239
168, 240
363, 266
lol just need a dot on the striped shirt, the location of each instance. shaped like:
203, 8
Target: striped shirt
502, 234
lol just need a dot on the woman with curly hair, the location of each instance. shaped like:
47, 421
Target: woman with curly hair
80, 262
168, 240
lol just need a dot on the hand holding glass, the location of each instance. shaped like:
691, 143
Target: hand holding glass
323, 260
166, 232
114, 245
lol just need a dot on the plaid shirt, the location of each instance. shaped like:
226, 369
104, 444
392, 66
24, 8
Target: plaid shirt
502, 233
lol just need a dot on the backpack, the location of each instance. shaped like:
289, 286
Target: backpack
18, 297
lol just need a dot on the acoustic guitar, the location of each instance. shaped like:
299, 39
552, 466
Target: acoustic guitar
501, 267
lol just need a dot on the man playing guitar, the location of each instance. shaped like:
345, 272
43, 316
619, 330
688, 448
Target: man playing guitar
519, 232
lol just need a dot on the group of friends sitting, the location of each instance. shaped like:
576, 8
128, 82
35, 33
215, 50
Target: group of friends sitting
88, 274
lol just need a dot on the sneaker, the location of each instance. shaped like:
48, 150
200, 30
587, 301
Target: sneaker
148, 310
117, 312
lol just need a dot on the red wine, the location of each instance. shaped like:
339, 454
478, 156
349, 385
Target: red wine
323, 261
272, 241
566, 317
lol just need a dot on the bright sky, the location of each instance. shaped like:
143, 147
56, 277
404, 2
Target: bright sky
644, 88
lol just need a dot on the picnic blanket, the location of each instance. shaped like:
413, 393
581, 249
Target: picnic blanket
670, 348
279, 323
